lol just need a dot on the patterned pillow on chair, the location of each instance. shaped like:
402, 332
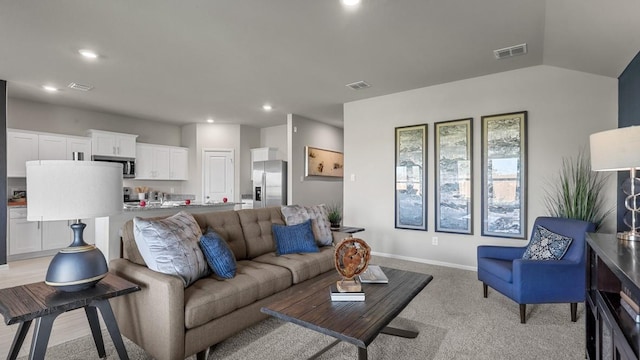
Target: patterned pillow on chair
546, 245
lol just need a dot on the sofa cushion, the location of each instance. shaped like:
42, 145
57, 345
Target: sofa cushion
302, 266
227, 225
294, 239
546, 245
256, 226
296, 214
208, 298
170, 246
218, 255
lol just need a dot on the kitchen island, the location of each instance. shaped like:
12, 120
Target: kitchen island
108, 229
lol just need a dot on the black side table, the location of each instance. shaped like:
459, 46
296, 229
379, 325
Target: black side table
348, 229
22, 304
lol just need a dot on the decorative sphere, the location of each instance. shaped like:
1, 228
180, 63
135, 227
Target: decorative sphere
352, 257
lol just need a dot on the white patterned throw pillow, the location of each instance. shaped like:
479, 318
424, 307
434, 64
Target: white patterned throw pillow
170, 246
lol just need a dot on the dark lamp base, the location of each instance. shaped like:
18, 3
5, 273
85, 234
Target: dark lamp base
77, 267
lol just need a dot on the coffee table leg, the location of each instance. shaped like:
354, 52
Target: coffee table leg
409, 334
94, 324
112, 326
41, 334
362, 353
18, 340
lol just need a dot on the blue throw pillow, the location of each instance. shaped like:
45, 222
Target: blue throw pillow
219, 257
294, 239
546, 245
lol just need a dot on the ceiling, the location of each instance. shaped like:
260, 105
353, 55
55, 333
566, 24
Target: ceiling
184, 61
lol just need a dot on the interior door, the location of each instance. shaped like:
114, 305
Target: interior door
218, 170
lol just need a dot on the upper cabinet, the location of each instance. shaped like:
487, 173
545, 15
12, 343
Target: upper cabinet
24, 146
159, 162
21, 147
107, 143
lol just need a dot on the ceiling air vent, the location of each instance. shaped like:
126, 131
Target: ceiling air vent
510, 51
358, 85
81, 87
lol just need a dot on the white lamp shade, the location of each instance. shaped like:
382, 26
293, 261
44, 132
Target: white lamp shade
614, 150
66, 189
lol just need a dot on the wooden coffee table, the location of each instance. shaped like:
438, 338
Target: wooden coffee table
357, 323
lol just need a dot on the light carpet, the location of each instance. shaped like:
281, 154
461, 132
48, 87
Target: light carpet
454, 321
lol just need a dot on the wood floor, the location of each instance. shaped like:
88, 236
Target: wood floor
68, 326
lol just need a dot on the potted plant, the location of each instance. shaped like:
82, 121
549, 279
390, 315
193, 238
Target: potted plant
334, 213
577, 193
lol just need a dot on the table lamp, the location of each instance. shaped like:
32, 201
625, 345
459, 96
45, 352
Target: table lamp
74, 190
616, 150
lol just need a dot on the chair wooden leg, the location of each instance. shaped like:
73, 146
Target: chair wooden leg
574, 312
485, 289
523, 313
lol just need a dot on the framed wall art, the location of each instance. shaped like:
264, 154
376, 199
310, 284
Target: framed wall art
320, 162
504, 175
454, 176
411, 177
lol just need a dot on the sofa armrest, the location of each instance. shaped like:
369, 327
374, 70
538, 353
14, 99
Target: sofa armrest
153, 317
549, 281
500, 252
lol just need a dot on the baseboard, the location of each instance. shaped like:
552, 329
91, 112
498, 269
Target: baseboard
424, 261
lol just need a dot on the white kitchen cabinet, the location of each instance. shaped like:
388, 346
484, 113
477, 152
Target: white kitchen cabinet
21, 147
107, 143
55, 234
52, 147
34, 236
179, 164
26, 146
24, 236
78, 144
160, 162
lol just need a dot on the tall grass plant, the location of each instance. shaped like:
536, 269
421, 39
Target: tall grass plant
577, 193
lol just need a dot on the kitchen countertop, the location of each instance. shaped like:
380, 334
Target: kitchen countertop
133, 208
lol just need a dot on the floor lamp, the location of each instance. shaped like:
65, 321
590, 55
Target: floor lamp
617, 150
74, 190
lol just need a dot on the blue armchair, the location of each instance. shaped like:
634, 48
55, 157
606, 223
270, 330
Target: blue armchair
538, 281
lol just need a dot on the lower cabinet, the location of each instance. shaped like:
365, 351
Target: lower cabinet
611, 333
36, 236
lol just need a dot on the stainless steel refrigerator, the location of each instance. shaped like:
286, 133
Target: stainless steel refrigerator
269, 183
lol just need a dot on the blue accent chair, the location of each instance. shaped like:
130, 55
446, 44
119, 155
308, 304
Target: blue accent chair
538, 281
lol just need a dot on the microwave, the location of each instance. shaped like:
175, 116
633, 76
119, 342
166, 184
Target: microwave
128, 164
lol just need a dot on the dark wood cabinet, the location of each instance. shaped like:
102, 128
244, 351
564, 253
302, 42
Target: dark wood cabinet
612, 265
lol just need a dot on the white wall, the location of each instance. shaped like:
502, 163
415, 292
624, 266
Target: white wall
249, 139
275, 137
564, 107
37, 116
307, 132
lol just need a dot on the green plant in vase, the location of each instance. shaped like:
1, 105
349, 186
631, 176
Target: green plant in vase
334, 213
577, 193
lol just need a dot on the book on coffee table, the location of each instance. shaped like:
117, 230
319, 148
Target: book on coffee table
373, 275
345, 296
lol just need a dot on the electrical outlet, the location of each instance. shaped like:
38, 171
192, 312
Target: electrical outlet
434, 240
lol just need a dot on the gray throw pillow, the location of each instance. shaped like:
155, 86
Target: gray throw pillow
170, 246
296, 214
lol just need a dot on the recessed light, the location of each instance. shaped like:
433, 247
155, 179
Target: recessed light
50, 88
350, 2
267, 107
210, 121
89, 54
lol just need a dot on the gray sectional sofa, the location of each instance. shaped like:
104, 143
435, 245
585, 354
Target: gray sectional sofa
170, 321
